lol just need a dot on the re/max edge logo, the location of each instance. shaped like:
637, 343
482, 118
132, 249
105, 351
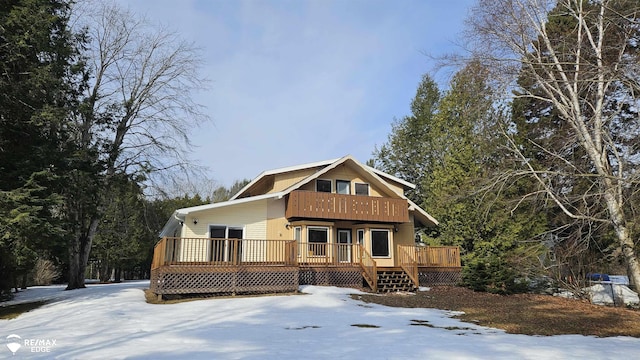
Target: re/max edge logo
15, 343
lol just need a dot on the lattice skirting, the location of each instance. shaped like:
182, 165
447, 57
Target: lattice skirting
212, 280
348, 276
439, 276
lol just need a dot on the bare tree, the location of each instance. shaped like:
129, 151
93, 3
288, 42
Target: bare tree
588, 75
138, 109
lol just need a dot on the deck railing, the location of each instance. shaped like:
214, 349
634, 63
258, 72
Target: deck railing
433, 256
320, 205
438, 256
369, 269
328, 253
223, 252
408, 263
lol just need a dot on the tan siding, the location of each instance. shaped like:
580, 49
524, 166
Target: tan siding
276, 222
285, 180
396, 187
404, 236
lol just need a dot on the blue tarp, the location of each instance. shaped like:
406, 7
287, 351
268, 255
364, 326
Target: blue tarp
598, 277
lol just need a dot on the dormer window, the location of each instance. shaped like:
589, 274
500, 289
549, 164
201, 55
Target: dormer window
343, 187
362, 189
323, 185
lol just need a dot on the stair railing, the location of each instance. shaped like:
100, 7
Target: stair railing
369, 270
408, 263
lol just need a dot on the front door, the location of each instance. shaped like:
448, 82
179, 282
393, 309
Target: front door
344, 245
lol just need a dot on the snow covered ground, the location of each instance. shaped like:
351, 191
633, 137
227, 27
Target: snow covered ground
114, 322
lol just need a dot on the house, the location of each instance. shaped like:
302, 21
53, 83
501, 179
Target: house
337, 222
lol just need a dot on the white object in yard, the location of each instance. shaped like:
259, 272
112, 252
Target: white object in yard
605, 292
619, 279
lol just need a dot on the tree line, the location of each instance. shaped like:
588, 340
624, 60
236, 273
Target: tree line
529, 159
96, 105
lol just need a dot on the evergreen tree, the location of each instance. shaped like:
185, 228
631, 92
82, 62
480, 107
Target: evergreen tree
37, 92
407, 152
123, 240
473, 213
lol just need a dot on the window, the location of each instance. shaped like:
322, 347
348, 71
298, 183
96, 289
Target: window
234, 233
343, 187
380, 243
323, 185
222, 249
297, 236
318, 237
362, 189
360, 236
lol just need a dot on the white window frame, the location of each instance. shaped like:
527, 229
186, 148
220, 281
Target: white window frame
348, 188
297, 236
328, 232
226, 237
388, 256
360, 240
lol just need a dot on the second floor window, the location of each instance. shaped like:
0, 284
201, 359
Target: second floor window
323, 185
362, 189
343, 187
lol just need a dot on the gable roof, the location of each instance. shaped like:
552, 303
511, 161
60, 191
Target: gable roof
283, 170
326, 164
372, 175
361, 168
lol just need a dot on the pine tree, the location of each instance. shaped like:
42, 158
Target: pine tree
407, 152
37, 53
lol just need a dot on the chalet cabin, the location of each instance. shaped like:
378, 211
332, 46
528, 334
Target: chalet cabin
337, 222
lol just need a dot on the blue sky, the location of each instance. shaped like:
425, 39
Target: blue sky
303, 81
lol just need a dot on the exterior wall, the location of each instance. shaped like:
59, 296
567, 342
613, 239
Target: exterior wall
251, 216
382, 261
404, 236
396, 187
285, 180
276, 222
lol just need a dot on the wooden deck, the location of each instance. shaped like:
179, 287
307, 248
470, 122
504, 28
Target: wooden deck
234, 266
431, 265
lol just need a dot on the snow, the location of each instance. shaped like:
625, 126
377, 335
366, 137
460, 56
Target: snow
114, 322
604, 293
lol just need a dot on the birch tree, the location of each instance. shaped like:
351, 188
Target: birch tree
137, 113
589, 76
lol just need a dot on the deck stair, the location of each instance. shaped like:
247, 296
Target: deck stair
394, 280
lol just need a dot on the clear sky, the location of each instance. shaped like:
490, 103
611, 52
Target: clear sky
305, 80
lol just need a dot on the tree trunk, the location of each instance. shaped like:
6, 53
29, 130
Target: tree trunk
24, 281
629, 254
79, 251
